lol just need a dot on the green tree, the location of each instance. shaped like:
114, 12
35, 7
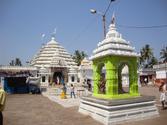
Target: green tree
12, 63
147, 58
152, 62
16, 62
78, 56
163, 54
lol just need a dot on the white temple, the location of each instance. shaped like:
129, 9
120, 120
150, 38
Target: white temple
113, 44
55, 64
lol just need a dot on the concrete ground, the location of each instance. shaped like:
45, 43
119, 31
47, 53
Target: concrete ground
25, 109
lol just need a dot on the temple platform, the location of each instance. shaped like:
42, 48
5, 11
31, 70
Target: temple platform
116, 111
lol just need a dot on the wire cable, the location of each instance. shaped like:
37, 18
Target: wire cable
108, 7
85, 29
143, 27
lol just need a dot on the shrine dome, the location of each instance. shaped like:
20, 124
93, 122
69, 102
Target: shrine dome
114, 44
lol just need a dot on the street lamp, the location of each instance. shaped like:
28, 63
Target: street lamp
103, 19
93, 11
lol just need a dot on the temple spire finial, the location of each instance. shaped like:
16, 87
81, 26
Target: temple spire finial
113, 19
53, 35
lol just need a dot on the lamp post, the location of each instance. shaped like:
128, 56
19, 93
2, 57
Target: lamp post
93, 11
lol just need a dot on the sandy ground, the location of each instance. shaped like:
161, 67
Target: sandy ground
28, 109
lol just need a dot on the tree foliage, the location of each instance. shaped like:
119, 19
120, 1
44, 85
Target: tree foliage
152, 62
15, 62
78, 56
163, 54
147, 59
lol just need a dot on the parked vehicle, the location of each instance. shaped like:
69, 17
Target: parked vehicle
34, 89
34, 85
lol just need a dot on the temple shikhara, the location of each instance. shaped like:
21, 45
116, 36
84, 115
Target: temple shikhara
55, 64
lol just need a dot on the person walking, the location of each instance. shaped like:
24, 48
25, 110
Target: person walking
2, 103
162, 90
72, 90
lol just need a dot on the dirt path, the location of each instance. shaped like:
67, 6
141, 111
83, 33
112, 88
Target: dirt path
38, 110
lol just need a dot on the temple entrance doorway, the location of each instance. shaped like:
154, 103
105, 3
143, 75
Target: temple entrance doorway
58, 78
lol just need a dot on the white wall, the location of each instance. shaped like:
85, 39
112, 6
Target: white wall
161, 74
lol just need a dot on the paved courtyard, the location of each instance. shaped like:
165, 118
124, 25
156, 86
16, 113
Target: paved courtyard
28, 109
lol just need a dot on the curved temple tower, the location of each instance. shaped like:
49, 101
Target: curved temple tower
55, 64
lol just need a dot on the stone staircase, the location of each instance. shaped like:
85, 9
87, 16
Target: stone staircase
56, 91
52, 91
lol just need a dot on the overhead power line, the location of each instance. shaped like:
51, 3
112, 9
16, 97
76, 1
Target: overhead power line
85, 28
143, 27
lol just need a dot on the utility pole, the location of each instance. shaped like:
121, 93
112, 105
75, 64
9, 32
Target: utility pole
93, 11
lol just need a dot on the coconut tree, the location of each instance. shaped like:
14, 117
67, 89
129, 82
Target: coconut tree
78, 56
163, 54
153, 61
12, 63
146, 55
16, 62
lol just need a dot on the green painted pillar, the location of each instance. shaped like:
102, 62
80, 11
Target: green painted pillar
133, 78
111, 77
96, 78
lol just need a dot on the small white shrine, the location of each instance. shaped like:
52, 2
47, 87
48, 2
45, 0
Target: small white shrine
85, 71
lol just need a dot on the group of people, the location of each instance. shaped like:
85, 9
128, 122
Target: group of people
163, 94
72, 90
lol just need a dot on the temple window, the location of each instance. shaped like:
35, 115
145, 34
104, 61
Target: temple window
72, 78
43, 78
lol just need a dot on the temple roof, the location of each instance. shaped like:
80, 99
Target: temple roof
53, 55
113, 44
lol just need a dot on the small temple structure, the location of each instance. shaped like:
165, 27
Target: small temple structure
109, 103
85, 71
114, 53
55, 64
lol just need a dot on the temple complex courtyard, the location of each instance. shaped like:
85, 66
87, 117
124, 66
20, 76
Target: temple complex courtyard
27, 109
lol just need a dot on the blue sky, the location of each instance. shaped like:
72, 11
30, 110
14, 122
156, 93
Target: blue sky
22, 23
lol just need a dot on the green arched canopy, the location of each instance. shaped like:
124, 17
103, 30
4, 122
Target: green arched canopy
113, 66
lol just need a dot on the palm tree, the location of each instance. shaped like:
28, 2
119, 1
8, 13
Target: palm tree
163, 54
152, 62
16, 62
78, 56
12, 63
146, 55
